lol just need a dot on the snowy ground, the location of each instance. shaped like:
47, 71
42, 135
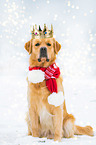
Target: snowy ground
74, 23
80, 99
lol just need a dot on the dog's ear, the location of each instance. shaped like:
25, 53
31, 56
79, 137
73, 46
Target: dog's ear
57, 46
28, 46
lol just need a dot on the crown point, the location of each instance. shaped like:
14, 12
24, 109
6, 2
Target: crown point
44, 30
44, 26
51, 27
35, 26
40, 28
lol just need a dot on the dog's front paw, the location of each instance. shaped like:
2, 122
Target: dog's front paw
56, 99
57, 138
35, 134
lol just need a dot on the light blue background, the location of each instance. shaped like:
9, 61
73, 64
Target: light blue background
74, 24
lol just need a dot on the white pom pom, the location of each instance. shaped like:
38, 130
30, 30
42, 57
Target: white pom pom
56, 99
35, 76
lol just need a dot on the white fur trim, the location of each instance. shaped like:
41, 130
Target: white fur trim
36, 76
56, 99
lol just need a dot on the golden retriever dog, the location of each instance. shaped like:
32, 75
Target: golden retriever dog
43, 118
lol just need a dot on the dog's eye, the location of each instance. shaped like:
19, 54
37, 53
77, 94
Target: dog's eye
37, 44
48, 44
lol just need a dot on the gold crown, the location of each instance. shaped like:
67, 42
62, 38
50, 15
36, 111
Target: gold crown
45, 33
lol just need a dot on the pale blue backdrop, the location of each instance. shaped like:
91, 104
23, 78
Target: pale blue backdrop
74, 25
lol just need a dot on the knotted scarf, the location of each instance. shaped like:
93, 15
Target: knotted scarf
51, 74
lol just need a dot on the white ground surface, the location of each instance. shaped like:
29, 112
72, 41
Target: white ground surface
74, 23
80, 99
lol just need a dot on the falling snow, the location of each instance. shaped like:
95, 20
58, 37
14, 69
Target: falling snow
75, 28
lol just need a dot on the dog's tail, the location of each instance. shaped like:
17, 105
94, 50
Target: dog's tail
78, 130
87, 130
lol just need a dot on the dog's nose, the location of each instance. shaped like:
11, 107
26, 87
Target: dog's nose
43, 52
43, 49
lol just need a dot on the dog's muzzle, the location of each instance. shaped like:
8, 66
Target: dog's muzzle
43, 54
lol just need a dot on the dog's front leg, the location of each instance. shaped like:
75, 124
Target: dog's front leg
58, 121
34, 121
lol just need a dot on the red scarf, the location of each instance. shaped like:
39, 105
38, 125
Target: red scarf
51, 74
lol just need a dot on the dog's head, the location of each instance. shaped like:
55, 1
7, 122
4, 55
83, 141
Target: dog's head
43, 51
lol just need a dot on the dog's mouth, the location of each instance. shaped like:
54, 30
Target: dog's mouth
43, 55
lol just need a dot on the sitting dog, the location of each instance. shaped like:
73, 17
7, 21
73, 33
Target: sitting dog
47, 114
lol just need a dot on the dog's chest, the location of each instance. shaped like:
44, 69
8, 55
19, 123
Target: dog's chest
46, 119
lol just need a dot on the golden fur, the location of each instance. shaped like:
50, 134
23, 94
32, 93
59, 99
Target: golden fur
43, 119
